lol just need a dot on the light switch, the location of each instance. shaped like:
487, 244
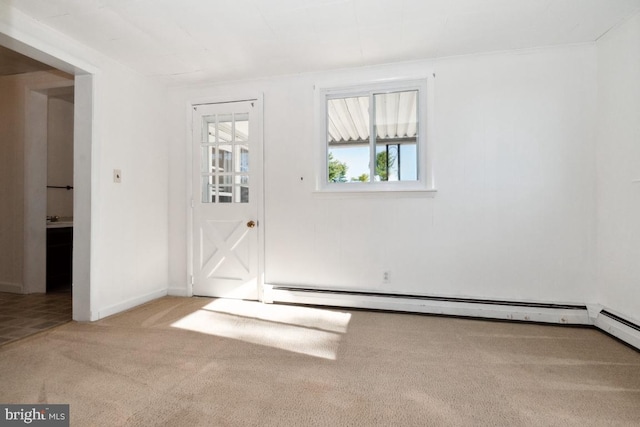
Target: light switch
117, 176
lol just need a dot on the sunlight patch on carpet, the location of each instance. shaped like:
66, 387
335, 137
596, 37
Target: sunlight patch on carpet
317, 318
311, 331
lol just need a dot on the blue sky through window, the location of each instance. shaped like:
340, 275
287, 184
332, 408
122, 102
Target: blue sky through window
357, 161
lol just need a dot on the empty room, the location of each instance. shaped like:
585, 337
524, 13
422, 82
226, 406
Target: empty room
320, 212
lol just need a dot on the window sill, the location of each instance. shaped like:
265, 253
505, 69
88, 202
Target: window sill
375, 193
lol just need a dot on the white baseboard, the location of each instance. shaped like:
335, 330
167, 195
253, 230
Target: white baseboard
133, 302
573, 314
178, 292
12, 288
621, 328
594, 311
568, 314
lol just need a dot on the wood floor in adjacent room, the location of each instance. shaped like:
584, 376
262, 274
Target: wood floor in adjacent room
199, 361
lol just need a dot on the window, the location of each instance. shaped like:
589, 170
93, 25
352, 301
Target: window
374, 138
225, 158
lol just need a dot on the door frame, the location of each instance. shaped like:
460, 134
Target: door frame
189, 202
85, 153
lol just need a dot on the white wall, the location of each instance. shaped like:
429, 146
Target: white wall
130, 263
619, 169
514, 164
515, 167
121, 230
60, 157
11, 183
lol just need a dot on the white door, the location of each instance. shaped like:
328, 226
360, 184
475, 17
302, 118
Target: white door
227, 189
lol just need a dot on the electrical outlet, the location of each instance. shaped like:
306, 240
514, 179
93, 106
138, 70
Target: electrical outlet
117, 176
385, 277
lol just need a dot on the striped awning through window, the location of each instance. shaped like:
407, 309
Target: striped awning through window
396, 118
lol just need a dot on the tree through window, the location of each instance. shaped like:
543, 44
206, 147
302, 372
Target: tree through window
373, 136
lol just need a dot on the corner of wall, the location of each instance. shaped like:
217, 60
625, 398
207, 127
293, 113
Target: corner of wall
618, 174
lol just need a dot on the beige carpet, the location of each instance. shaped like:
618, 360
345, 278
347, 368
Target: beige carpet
197, 361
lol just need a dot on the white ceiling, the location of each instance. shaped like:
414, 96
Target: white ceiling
190, 41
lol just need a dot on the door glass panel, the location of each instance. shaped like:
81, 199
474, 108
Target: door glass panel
208, 154
225, 180
225, 127
241, 190
208, 189
241, 194
242, 158
225, 188
208, 129
242, 127
225, 159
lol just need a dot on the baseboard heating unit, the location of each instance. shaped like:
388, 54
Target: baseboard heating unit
570, 314
619, 327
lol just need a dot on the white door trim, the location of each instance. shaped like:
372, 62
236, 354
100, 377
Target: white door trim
84, 149
259, 114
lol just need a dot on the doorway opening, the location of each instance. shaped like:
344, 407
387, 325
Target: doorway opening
38, 127
65, 89
59, 218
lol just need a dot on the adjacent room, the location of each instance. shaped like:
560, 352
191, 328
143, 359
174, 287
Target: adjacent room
37, 182
321, 212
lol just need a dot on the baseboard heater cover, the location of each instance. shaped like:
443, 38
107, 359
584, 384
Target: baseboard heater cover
619, 327
574, 314
621, 320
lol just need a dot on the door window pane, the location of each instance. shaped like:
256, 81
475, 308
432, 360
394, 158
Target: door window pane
208, 190
225, 128
241, 194
225, 188
207, 164
242, 127
242, 157
208, 129
225, 159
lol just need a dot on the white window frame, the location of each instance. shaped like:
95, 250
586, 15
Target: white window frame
425, 181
